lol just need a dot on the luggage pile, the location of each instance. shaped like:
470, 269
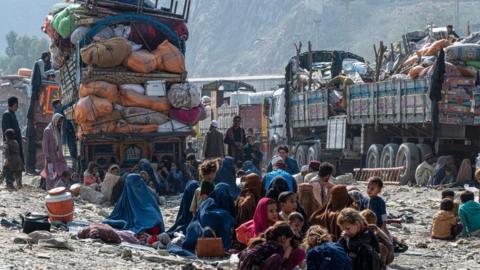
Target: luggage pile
131, 66
461, 97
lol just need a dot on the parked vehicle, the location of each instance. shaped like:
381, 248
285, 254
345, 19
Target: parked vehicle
386, 124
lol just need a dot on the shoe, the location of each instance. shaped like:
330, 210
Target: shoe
10, 187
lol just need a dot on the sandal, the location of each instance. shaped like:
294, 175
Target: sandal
399, 247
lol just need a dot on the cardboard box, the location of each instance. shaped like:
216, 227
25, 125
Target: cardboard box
155, 88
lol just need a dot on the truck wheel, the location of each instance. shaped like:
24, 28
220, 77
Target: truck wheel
373, 155
424, 149
408, 157
313, 153
389, 153
301, 155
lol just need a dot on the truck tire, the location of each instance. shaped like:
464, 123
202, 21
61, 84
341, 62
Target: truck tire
408, 157
301, 155
313, 153
373, 155
424, 149
389, 154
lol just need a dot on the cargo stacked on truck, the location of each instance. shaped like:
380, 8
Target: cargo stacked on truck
123, 78
425, 102
309, 114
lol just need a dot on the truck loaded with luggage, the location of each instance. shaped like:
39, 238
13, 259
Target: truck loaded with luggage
421, 100
123, 78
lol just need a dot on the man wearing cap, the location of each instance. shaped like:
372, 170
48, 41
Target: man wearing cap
213, 145
292, 165
279, 167
313, 168
424, 171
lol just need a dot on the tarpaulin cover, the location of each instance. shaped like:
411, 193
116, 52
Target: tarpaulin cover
137, 209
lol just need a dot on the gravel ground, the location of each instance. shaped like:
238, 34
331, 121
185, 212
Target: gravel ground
423, 252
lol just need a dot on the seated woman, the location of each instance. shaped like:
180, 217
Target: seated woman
248, 198
184, 215
145, 165
226, 174
176, 178
111, 179
338, 199
278, 185
91, 175
136, 209
210, 215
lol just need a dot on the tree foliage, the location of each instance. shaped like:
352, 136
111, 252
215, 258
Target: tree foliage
21, 51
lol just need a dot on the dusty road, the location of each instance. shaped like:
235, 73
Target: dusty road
423, 253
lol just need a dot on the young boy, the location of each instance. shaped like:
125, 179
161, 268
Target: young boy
296, 222
64, 181
387, 254
13, 165
469, 213
375, 202
450, 194
445, 225
288, 204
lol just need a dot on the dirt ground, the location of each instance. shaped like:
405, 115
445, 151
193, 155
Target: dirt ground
423, 253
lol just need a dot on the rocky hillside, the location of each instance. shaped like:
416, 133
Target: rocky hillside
249, 37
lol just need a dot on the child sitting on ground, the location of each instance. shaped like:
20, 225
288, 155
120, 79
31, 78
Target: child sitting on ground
376, 203
91, 176
386, 245
208, 170
359, 240
13, 166
322, 253
445, 225
296, 222
288, 204
469, 213
277, 252
64, 181
450, 194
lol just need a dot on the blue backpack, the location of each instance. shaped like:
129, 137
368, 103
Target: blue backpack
328, 256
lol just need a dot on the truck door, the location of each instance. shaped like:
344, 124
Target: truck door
336, 132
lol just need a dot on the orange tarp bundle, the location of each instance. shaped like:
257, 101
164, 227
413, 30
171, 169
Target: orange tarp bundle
90, 108
133, 99
169, 58
100, 89
124, 127
415, 72
141, 61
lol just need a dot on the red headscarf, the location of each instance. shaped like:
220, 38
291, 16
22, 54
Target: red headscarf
260, 218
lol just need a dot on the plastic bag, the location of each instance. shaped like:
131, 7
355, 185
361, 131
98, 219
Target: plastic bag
184, 96
138, 88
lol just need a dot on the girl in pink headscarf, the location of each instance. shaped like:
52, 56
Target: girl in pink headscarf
265, 216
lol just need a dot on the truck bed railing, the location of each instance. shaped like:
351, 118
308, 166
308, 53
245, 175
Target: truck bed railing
389, 175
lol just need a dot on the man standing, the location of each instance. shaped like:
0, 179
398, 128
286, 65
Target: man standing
213, 146
9, 121
68, 131
235, 139
451, 32
292, 166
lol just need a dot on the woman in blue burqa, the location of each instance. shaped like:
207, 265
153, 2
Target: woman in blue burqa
184, 215
145, 165
217, 212
137, 209
226, 174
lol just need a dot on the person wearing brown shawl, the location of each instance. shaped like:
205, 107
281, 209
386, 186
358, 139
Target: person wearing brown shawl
248, 198
306, 199
338, 199
465, 171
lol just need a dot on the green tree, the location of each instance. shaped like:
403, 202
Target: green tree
21, 51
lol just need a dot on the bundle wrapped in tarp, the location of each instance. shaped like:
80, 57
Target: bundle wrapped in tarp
90, 108
184, 96
135, 115
106, 53
100, 89
133, 99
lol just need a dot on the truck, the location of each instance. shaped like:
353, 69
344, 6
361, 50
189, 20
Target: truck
238, 98
126, 149
387, 124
